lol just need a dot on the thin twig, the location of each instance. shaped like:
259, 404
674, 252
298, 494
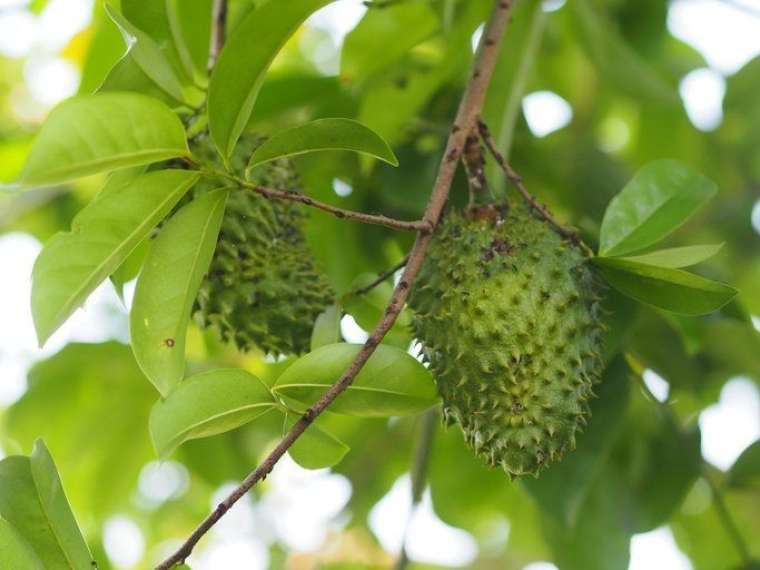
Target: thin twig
474, 160
380, 278
517, 181
466, 118
218, 32
342, 213
419, 475
376, 219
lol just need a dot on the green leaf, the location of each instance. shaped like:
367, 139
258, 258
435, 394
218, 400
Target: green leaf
326, 327
150, 16
617, 61
670, 289
33, 501
562, 490
677, 256
127, 75
397, 28
321, 135
660, 197
147, 54
15, 552
316, 448
392, 383
95, 133
95, 422
241, 67
368, 308
102, 235
130, 268
168, 286
190, 24
746, 469
208, 404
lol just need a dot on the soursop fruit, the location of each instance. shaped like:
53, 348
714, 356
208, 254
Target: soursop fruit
264, 288
508, 316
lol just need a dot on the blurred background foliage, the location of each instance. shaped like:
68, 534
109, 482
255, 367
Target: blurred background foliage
584, 94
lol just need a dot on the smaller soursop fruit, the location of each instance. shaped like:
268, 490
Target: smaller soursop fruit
264, 288
508, 315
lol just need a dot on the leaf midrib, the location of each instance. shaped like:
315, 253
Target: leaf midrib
48, 520
66, 171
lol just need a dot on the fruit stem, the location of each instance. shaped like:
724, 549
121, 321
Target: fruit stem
474, 159
517, 181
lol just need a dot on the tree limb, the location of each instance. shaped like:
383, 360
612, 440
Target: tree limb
466, 118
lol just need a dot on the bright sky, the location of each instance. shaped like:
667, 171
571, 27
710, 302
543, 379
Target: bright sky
301, 507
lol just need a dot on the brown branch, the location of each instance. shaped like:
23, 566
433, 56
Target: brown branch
342, 213
380, 278
466, 119
377, 219
517, 181
218, 32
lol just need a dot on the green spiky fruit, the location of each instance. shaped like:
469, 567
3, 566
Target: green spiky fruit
508, 316
264, 288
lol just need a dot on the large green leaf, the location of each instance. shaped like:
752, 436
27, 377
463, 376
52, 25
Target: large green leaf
94, 133
168, 286
393, 100
150, 16
321, 135
397, 28
15, 552
660, 197
392, 383
190, 24
670, 289
240, 70
148, 54
208, 404
33, 501
746, 469
617, 61
95, 406
102, 235
562, 490
316, 448
678, 256
127, 75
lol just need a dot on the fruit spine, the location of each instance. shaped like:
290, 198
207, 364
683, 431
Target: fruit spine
508, 316
264, 288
